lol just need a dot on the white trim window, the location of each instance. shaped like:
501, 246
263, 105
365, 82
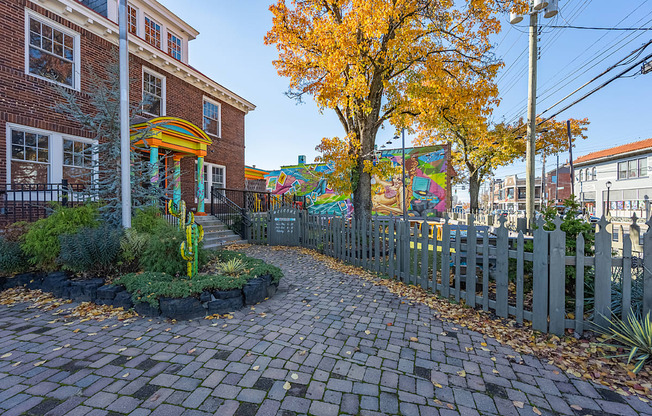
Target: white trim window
29, 157
174, 46
214, 175
51, 52
152, 32
77, 161
153, 93
632, 169
212, 117
132, 19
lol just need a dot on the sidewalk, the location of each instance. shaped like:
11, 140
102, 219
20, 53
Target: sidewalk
326, 344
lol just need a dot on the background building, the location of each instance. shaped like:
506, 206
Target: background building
61, 42
619, 174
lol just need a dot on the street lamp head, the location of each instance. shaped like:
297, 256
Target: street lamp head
608, 184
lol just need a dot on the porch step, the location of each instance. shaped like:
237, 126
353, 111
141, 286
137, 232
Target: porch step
217, 234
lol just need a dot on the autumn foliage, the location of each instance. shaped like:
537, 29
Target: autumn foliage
373, 61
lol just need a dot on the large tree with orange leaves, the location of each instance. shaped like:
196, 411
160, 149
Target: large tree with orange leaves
370, 61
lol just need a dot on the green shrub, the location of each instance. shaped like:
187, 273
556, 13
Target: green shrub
16, 232
148, 287
41, 243
132, 245
91, 251
148, 220
12, 258
162, 255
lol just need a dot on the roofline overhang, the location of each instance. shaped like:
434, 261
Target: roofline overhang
610, 158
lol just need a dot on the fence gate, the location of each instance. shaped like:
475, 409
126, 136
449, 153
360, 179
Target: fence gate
284, 227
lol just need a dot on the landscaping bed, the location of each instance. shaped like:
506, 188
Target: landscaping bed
74, 254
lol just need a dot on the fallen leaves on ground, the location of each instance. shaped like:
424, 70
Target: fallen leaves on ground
39, 299
582, 358
218, 316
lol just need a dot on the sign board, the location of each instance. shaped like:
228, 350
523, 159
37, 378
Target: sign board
284, 227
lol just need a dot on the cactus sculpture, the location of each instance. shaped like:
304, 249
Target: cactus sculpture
194, 234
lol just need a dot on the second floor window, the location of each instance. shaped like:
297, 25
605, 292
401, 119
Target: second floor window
174, 46
132, 20
636, 168
51, 53
152, 32
153, 94
211, 118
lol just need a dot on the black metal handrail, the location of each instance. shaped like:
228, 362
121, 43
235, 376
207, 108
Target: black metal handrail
255, 201
30, 202
227, 211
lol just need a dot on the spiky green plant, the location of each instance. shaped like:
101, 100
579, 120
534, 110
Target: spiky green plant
233, 267
635, 334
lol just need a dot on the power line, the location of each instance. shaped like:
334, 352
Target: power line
599, 28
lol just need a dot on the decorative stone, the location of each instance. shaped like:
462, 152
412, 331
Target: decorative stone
254, 291
181, 308
227, 294
271, 290
205, 296
145, 309
54, 282
85, 290
122, 300
222, 306
106, 293
20, 280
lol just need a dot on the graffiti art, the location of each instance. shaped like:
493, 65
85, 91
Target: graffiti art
425, 184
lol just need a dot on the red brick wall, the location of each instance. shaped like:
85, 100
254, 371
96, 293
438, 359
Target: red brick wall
28, 101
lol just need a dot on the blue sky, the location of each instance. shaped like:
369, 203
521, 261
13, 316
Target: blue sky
230, 49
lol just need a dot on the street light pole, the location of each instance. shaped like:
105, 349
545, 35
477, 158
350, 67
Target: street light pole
608, 190
531, 123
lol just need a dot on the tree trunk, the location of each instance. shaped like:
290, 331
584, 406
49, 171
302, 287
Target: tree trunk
362, 193
474, 190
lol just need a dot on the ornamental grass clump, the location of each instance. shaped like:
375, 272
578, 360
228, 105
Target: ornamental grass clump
233, 267
634, 334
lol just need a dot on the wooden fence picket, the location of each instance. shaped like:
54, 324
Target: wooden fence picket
519, 277
433, 283
626, 276
540, 279
391, 235
458, 264
471, 261
406, 251
557, 279
485, 270
579, 284
425, 243
445, 258
414, 271
602, 297
502, 269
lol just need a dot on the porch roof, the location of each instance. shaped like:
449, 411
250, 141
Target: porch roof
172, 133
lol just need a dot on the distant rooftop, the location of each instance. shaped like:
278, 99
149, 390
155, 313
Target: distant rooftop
615, 151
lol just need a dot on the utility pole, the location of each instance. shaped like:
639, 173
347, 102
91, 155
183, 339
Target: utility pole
570, 155
125, 141
557, 181
531, 123
543, 183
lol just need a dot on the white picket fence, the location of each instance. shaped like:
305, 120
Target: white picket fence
440, 258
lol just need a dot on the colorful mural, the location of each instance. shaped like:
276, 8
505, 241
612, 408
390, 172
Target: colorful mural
425, 185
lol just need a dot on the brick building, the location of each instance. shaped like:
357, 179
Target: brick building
50, 42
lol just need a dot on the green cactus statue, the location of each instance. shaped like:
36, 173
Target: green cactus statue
189, 249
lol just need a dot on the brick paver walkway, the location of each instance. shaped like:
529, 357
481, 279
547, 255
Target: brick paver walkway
324, 333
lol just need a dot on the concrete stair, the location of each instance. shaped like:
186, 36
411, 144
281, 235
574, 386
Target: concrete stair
216, 233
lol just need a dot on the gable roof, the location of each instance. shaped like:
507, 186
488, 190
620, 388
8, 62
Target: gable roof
615, 151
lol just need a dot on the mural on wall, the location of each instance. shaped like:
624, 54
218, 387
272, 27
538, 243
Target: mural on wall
425, 185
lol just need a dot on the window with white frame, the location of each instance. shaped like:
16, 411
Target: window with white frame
30, 157
214, 176
212, 117
77, 161
594, 174
52, 52
153, 93
631, 169
174, 45
152, 32
132, 20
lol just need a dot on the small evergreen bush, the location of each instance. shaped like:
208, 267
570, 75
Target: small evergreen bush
41, 243
162, 255
148, 220
132, 245
91, 251
12, 258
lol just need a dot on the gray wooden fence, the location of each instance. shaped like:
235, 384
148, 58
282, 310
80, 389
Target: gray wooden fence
496, 272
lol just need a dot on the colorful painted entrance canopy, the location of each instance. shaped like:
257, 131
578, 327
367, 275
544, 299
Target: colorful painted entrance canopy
173, 133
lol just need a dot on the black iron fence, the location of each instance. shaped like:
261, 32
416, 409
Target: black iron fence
30, 202
253, 201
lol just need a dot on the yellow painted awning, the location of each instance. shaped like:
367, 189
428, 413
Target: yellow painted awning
172, 133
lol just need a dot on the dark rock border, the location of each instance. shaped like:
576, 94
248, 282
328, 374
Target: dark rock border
95, 290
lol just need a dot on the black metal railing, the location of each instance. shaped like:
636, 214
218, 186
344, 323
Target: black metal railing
31, 202
254, 201
230, 213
